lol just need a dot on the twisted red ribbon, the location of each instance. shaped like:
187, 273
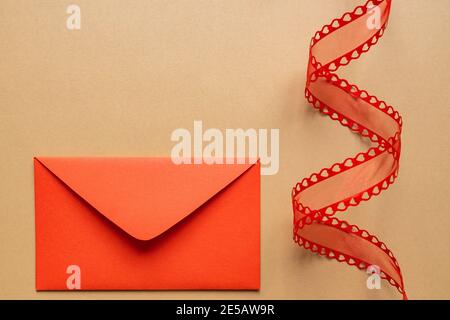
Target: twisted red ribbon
318, 198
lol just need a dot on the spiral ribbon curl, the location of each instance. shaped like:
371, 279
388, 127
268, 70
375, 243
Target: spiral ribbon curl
318, 198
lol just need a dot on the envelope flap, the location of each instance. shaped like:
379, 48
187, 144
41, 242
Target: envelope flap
143, 196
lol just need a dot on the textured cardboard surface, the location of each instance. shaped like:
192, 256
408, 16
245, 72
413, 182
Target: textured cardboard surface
137, 70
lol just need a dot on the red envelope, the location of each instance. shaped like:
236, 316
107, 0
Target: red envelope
146, 223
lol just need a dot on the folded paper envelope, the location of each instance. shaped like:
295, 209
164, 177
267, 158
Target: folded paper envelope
146, 223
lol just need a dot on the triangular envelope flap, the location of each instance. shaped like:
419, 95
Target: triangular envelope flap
143, 196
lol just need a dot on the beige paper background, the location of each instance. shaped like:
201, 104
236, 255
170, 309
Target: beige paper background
137, 70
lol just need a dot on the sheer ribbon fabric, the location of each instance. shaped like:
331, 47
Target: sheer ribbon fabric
318, 198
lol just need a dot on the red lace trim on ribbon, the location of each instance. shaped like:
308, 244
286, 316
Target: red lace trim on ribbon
319, 197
